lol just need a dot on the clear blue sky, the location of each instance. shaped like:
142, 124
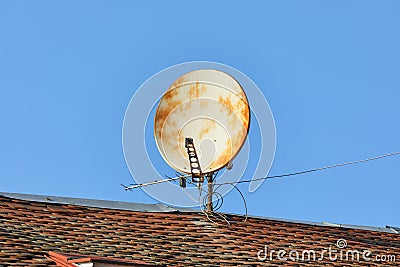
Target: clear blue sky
329, 70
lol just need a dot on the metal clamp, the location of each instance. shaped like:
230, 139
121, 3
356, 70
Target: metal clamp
197, 175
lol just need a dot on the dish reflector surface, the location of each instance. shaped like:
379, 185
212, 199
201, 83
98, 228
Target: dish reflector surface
209, 106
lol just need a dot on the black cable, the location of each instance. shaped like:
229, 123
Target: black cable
318, 169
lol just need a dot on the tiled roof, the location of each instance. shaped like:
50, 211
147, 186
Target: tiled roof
32, 226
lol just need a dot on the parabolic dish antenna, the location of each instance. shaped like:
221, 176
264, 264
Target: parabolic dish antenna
207, 108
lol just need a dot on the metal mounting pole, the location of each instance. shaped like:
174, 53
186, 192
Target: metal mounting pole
209, 205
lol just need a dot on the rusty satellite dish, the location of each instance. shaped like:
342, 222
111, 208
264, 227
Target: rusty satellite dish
201, 122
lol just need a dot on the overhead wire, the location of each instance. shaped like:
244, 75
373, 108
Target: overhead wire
274, 176
318, 169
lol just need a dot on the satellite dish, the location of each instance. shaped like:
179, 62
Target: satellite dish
204, 111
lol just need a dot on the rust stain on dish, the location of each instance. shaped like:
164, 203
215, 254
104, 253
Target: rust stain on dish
227, 102
225, 156
178, 82
164, 109
210, 125
168, 101
241, 108
204, 104
195, 90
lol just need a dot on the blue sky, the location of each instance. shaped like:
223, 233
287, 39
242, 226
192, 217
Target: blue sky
329, 70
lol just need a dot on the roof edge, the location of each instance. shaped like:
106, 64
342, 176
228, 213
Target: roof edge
140, 207
95, 203
387, 229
